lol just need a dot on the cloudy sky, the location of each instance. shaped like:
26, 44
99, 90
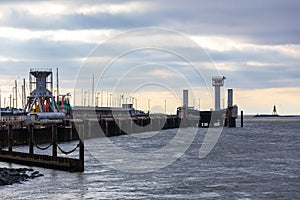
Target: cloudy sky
255, 44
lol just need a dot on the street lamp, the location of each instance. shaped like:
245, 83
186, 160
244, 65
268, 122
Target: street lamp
149, 104
84, 100
122, 99
107, 99
132, 101
110, 99
97, 99
101, 98
165, 106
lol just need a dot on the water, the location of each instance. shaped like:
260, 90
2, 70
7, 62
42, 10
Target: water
259, 161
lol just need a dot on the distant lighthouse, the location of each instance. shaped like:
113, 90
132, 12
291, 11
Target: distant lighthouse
274, 110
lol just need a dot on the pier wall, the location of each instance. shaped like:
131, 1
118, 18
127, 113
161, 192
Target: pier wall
104, 127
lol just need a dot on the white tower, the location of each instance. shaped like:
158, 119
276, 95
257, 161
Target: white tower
185, 98
217, 82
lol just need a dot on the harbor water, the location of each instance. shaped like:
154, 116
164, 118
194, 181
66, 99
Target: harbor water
259, 161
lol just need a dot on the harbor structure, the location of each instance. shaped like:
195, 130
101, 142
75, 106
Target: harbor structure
41, 103
232, 110
218, 82
50, 120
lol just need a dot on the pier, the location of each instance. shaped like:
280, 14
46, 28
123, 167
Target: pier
45, 134
50, 132
47, 121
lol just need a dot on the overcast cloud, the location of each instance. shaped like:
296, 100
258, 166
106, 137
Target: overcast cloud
255, 44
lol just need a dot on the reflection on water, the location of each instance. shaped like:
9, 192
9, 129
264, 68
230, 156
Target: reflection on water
259, 161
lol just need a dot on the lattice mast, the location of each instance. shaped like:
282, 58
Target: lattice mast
41, 99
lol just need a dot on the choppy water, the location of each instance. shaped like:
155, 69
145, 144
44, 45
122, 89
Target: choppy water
259, 161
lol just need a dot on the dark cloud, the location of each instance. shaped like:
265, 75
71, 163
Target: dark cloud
260, 22
268, 22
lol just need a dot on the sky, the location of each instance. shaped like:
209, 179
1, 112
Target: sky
149, 51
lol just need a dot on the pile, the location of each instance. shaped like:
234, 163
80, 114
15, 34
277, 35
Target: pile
9, 176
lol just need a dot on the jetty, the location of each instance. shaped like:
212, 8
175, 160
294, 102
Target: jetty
47, 121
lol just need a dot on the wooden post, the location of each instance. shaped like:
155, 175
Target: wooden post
54, 146
81, 148
30, 139
9, 138
81, 154
106, 127
242, 118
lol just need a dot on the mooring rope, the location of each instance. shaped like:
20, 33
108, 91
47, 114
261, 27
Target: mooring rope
67, 152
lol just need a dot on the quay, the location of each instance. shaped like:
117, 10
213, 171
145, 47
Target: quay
47, 121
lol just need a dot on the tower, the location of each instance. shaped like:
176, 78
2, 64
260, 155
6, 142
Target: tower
41, 99
185, 98
274, 110
217, 82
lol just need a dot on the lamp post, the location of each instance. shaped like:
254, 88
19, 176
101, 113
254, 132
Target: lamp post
107, 99
97, 99
101, 98
149, 100
132, 101
84, 100
121, 99
110, 99
165, 106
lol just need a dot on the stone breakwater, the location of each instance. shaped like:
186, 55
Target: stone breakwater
10, 176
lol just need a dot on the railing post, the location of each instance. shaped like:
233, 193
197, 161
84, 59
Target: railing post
81, 147
9, 138
81, 154
54, 146
30, 134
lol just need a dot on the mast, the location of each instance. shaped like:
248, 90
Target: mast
0, 99
93, 90
16, 93
57, 82
24, 93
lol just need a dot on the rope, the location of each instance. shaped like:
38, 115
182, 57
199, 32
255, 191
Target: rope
19, 143
43, 148
67, 152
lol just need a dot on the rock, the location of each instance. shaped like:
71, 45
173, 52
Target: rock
10, 176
